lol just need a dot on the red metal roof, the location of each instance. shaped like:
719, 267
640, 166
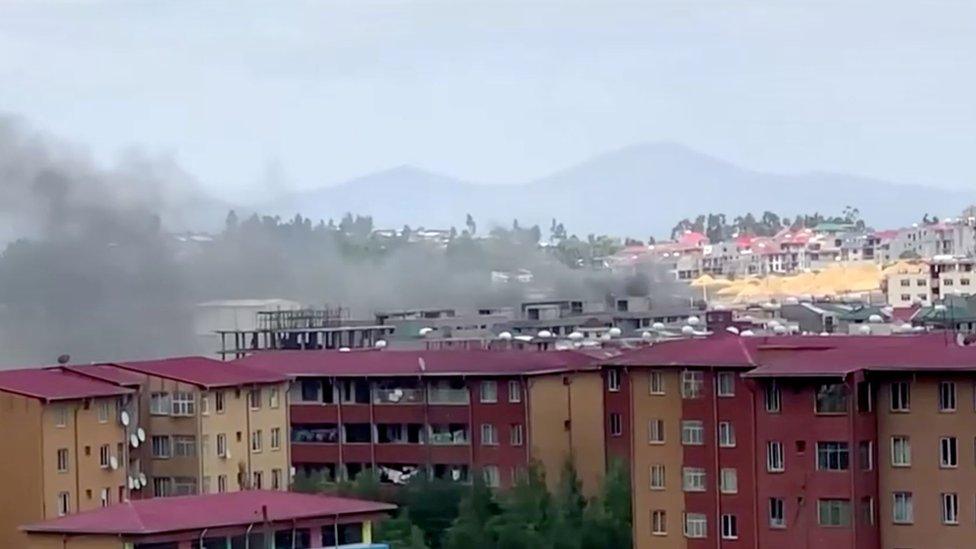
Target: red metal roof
51, 384
725, 350
203, 372
412, 363
109, 373
172, 514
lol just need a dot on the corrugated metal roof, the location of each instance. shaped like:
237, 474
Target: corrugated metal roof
203, 372
53, 384
173, 514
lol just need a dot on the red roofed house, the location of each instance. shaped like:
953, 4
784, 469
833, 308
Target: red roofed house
63, 447
452, 413
256, 519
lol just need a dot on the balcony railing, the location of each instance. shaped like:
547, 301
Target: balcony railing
398, 396
447, 396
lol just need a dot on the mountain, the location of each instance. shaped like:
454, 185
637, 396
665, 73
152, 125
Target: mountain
638, 191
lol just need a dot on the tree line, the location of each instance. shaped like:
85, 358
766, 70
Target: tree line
441, 514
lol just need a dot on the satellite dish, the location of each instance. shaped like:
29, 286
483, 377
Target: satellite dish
141, 433
576, 336
381, 344
875, 319
791, 301
687, 330
615, 332
505, 336
824, 334
658, 326
525, 338
647, 336
132, 484
694, 321
124, 418
864, 330
544, 333
425, 330
732, 330
605, 337
64, 359
134, 440
343, 349
142, 479
113, 462
779, 329
746, 333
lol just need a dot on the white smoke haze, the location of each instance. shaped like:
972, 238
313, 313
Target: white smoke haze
91, 268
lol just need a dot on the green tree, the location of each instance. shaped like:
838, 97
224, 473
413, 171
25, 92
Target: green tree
402, 533
470, 529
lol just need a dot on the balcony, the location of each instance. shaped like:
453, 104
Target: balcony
449, 435
398, 395
439, 395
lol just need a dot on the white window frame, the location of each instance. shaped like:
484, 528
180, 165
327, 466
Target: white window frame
160, 404
692, 383
696, 525
491, 475
834, 452
725, 382
220, 404
254, 399
775, 458
904, 457
613, 380
773, 398
104, 456
204, 403
777, 506
184, 446
275, 438
950, 508
516, 435
658, 477
655, 382
948, 452
692, 432
900, 397
659, 522
655, 431
726, 434
488, 391
165, 444
835, 504
64, 503
274, 397
947, 396
257, 442
616, 424
221, 445
489, 435
730, 527
183, 403
221, 484
104, 410
729, 480
902, 508
693, 479
514, 391
63, 460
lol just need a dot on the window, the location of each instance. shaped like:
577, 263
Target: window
489, 435
256, 442
257, 481
658, 477
276, 479
274, 397
514, 391
900, 397
774, 457
691, 383
184, 403
221, 446
656, 382
63, 460
831, 398
867, 510
219, 401
730, 527
104, 456
772, 398
254, 399
906, 282
726, 434
834, 512
184, 446
162, 486
655, 431
159, 404
777, 515
276, 438
613, 380
205, 404
726, 384
693, 479
221, 483
729, 481
948, 457
64, 503
105, 497
516, 435
104, 410
950, 508
832, 456
489, 391
902, 510
205, 487
901, 451
659, 522
865, 397
696, 525
491, 475
947, 396
161, 448
692, 433
865, 451
616, 429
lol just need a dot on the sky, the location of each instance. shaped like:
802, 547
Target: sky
260, 97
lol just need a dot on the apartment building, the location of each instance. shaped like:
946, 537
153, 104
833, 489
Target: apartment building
207, 426
449, 413
680, 414
63, 447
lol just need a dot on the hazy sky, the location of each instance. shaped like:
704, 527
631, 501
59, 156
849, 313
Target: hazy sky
243, 94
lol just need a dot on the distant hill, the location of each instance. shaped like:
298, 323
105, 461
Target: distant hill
637, 191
